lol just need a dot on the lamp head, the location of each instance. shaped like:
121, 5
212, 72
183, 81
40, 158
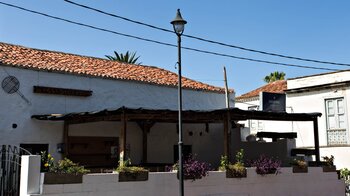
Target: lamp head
178, 23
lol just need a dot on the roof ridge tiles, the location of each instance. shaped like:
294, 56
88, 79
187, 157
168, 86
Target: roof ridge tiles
57, 61
278, 86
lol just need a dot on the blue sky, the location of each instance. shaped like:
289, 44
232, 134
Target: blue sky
310, 29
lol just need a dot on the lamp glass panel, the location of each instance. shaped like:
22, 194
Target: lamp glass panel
179, 28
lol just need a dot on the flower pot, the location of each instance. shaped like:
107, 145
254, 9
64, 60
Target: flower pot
232, 173
268, 171
189, 177
185, 177
133, 176
61, 178
329, 168
297, 169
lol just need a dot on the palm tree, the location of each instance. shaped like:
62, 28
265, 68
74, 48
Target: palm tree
127, 58
274, 76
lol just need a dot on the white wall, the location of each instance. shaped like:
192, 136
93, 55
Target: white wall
265, 125
340, 154
314, 101
315, 80
208, 147
110, 94
161, 139
215, 184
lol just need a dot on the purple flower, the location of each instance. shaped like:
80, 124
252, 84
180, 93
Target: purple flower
194, 169
266, 165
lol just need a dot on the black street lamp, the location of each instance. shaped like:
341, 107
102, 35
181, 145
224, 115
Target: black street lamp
179, 27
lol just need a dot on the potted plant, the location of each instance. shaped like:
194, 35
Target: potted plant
238, 169
131, 173
64, 172
299, 166
267, 165
193, 169
223, 163
47, 161
345, 175
328, 164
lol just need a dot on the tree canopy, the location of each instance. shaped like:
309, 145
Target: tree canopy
274, 76
129, 57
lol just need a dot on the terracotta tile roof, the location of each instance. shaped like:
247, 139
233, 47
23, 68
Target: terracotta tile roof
273, 87
29, 58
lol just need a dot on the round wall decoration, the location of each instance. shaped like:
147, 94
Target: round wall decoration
10, 84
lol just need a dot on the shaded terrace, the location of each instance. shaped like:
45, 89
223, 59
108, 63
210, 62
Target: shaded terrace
146, 118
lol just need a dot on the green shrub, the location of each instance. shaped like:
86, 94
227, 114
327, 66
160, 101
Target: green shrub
299, 163
125, 167
329, 160
237, 169
47, 161
223, 163
67, 166
345, 173
239, 156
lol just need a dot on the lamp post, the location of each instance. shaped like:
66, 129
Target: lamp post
179, 27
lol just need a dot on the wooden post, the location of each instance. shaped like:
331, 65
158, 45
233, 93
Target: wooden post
144, 145
227, 127
145, 127
122, 139
66, 138
226, 137
227, 93
317, 144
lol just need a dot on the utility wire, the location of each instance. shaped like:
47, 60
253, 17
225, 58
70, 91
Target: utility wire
120, 17
207, 40
257, 60
164, 43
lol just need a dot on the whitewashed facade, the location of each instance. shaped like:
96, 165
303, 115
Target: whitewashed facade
325, 93
17, 127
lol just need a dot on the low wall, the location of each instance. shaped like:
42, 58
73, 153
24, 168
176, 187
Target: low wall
315, 182
279, 149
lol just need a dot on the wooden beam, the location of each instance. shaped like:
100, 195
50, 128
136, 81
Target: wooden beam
86, 119
122, 139
61, 91
66, 138
302, 151
277, 135
172, 117
317, 144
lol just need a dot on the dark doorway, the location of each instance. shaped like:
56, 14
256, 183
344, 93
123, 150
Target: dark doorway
36, 149
186, 151
94, 152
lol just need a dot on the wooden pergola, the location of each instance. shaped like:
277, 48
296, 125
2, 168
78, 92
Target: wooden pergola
146, 118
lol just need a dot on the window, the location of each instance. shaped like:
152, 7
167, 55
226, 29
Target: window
336, 122
255, 125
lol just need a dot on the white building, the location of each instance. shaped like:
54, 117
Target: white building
325, 93
36, 82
